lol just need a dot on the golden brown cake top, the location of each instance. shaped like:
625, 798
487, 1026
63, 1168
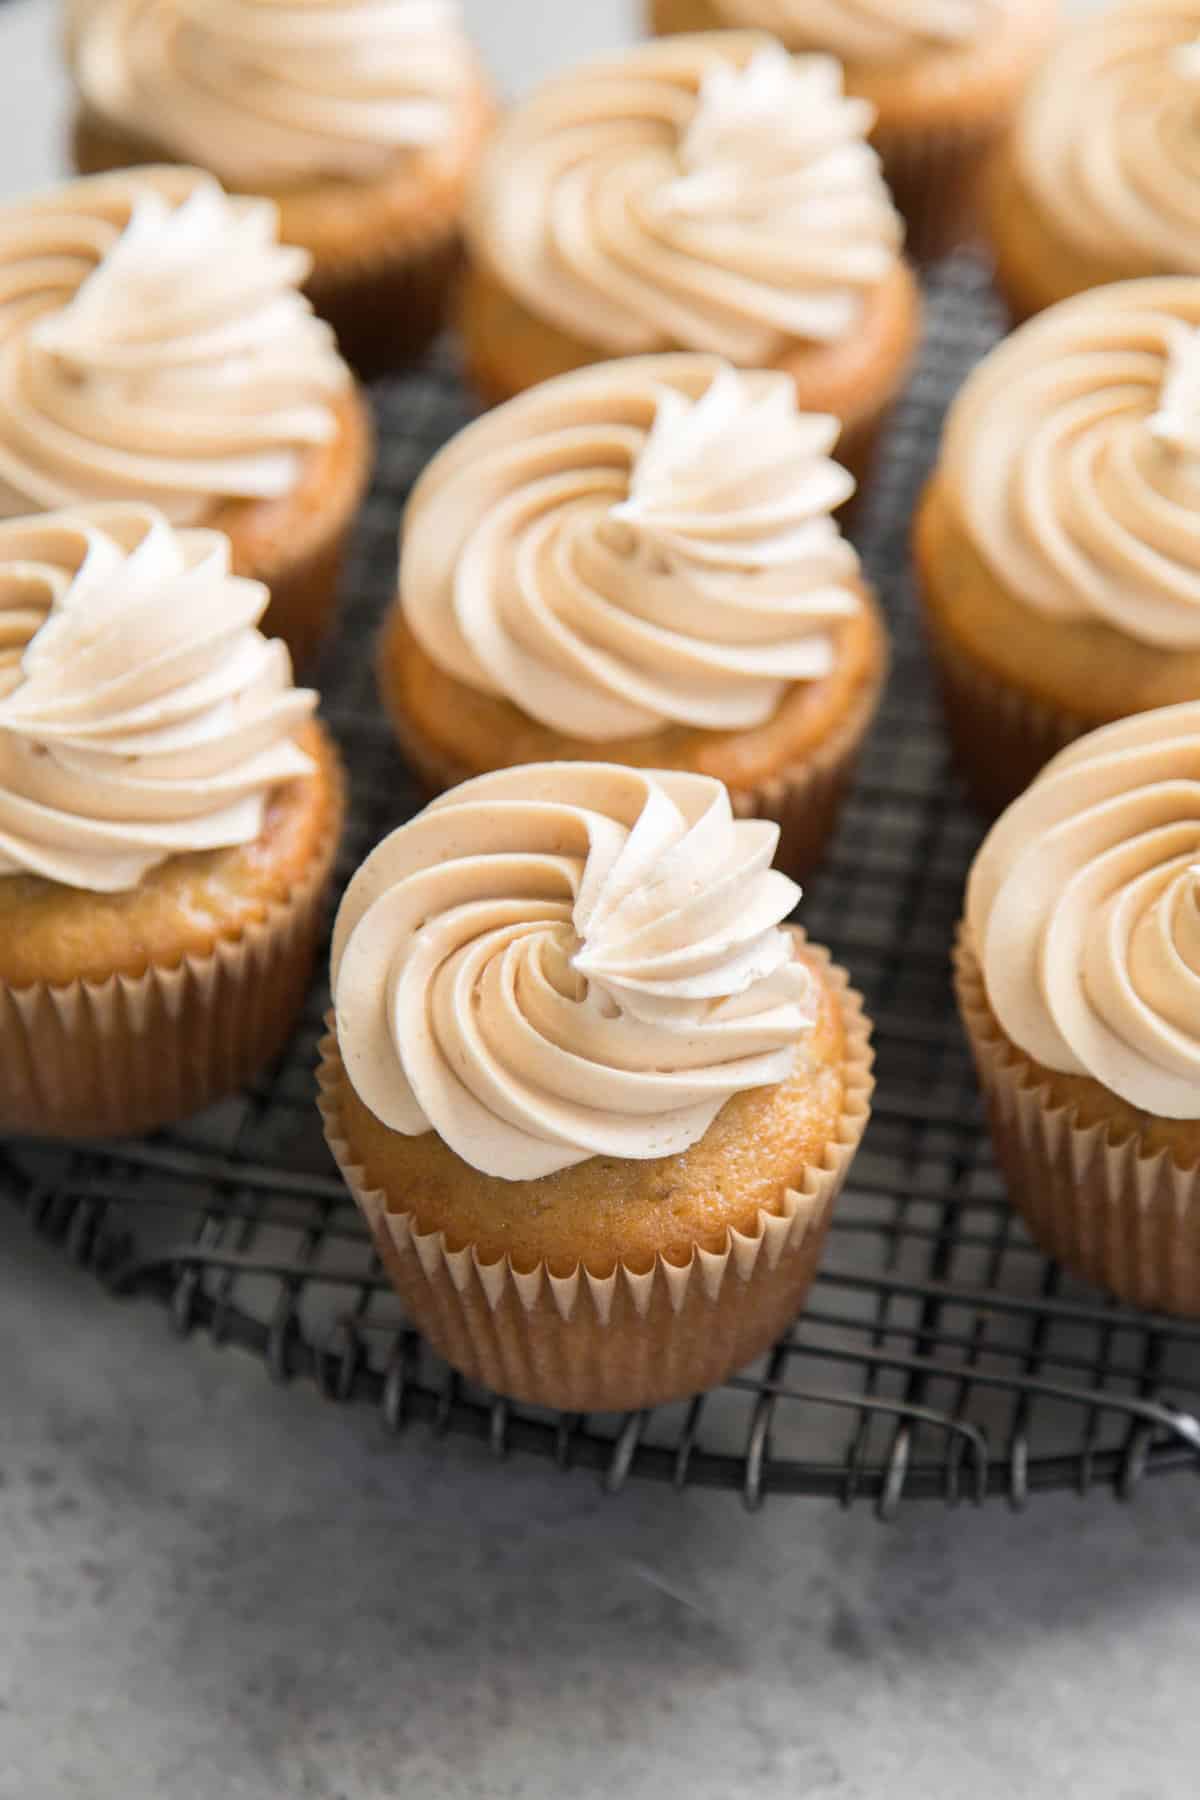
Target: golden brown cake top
868, 31
1072, 456
1106, 139
155, 346
703, 193
142, 714
642, 544
568, 960
1083, 909
270, 94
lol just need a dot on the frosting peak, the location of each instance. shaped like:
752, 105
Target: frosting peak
1177, 421
143, 715
632, 546
271, 91
568, 960
1084, 910
708, 192
154, 346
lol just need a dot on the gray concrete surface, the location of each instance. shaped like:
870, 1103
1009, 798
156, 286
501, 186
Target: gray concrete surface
214, 1590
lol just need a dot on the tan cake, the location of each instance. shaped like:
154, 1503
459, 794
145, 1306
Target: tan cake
169, 815
595, 1104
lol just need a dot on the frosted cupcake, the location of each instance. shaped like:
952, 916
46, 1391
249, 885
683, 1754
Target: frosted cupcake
1079, 982
154, 347
1058, 543
1107, 186
594, 1102
943, 78
361, 119
639, 562
708, 194
169, 814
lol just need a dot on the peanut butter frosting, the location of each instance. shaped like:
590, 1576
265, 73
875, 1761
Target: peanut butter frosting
1118, 169
636, 545
1083, 909
154, 346
1072, 455
141, 712
568, 960
700, 193
278, 91
867, 31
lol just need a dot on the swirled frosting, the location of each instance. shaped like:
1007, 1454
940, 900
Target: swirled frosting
154, 346
701, 193
868, 31
568, 960
636, 545
1084, 911
272, 91
1073, 455
146, 715
1118, 170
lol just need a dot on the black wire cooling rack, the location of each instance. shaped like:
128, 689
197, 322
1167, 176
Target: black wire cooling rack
940, 1354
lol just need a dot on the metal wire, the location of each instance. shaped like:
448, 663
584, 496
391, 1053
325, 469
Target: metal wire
940, 1355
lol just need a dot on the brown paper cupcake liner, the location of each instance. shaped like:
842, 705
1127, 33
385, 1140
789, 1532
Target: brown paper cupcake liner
124, 1056
1000, 736
938, 179
627, 1338
1095, 1199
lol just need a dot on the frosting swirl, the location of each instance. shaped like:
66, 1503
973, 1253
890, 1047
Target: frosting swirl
1118, 171
1073, 456
272, 91
701, 193
154, 346
636, 545
568, 960
865, 30
147, 716
1084, 910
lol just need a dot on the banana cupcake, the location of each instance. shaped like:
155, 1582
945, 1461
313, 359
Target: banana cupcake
169, 814
639, 562
943, 76
154, 346
595, 1103
1099, 180
1058, 542
1079, 983
704, 193
361, 119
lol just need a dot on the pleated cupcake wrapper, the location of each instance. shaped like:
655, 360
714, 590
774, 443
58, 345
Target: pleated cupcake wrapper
1001, 737
938, 179
630, 1338
120, 1057
1124, 1219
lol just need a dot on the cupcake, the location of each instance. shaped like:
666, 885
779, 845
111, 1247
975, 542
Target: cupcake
361, 119
169, 813
1107, 186
943, 78
154, 347
708, 194
594, 1102
1058, 542
638, 562
1079, 983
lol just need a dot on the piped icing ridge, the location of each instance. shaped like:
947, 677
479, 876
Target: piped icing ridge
1073, 456
867, 31
632, 546
272, 91
154, 346
568, 960
705, 193
142, 714
1118, 170
1083, 909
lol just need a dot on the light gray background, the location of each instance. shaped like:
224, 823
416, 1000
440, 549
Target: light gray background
214, 1590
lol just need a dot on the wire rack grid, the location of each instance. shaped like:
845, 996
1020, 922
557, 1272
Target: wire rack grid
940, 1353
